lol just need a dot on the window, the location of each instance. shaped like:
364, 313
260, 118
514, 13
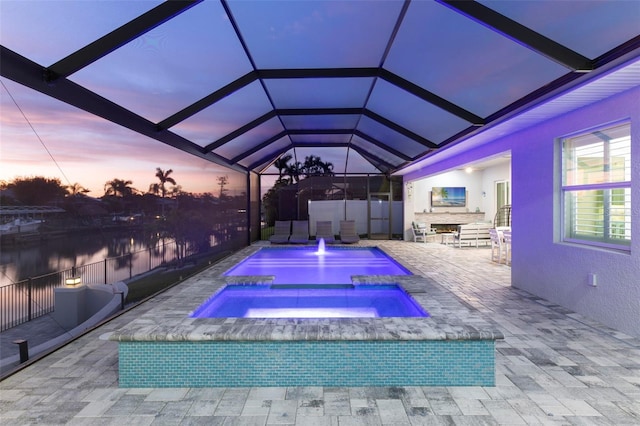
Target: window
596, 187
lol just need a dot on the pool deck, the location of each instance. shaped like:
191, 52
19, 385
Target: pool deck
553, 367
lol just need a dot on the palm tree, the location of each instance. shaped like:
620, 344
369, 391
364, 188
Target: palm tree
159, 187
164, 178
294, 170
76, 189
118, 188
282, 165
327, 168
154, 189
314, 166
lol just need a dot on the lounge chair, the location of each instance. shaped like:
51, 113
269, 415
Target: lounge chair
299, 232
348, 233
324, 229
281, 232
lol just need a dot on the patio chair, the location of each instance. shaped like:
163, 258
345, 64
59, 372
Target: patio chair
506, 246
348, 233
299, 232
324, 229
420, 231
281, 233
496, 245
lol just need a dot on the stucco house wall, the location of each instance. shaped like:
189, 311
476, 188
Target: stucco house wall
541, 263
557, 271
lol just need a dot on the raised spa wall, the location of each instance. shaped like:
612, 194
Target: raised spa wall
164, 347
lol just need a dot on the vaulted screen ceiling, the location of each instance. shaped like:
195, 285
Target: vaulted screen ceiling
369, 86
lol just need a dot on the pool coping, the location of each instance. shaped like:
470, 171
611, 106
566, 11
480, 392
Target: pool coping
450, 318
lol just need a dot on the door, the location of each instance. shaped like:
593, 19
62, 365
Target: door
379, 216
502, 194
503, 204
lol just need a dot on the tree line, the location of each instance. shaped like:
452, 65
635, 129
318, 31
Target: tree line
44, 191
164, 209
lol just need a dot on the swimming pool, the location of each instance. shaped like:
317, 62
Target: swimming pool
263, 301
306, 265
166, 347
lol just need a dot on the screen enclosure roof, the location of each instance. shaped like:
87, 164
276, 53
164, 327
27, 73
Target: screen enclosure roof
370, 86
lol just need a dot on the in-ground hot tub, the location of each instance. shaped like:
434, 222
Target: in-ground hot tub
165, 347
347, 301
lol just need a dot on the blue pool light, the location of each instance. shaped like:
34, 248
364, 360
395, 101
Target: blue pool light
306, 265
263, 301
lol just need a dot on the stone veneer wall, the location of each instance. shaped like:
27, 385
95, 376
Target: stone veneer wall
449, 218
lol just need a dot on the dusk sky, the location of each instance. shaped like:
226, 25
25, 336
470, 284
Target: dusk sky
197, 52
89, 150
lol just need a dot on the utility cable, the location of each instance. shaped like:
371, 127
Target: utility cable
36, 133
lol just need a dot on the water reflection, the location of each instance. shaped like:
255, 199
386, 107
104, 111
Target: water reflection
21, 262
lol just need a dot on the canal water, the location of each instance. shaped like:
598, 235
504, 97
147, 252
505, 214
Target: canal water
21, 262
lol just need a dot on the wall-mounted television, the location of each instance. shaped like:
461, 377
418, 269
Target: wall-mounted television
448, 196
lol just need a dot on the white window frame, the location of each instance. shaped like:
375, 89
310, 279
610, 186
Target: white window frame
608, 239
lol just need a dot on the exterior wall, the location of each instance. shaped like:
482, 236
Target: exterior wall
557, 271
541, 264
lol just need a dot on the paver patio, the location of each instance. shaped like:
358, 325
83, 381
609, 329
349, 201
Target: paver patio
553, 367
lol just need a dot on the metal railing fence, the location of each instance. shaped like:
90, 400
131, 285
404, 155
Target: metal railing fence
34, 297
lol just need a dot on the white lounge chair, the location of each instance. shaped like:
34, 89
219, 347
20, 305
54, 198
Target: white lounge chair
348, 233
324, 229
299, 232
281, 232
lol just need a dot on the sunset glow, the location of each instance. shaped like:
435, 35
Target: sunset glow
60, 141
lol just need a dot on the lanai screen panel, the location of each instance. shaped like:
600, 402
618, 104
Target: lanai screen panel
329, 121
265, 155
471, 66
319, 92
389, 158
356, 163
390, 137
40, 32
578, 24
171, 66
315, 34
319, 140
413, 113
399, 77
250, 139
226, 115
342, 158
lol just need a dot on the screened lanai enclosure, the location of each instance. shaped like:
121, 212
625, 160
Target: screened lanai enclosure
370, 87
